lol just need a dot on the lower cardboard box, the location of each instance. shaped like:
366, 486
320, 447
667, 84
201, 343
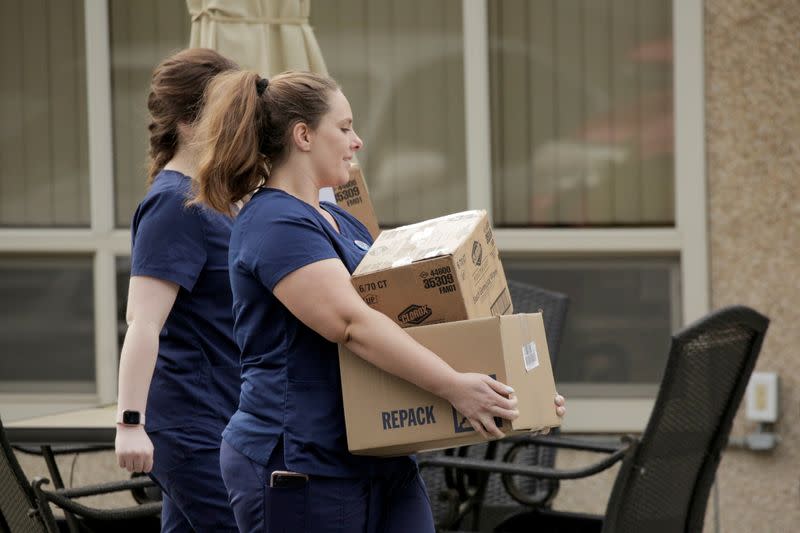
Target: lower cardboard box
387, 416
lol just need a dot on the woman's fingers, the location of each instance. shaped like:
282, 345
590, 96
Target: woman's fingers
491, 428
136, 462
502, 404
134, 449
148, 463
478, 426
509, 403
499, 387
126, 461
507, 400
561, 405
508, 414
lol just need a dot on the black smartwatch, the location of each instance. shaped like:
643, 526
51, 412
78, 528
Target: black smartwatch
131, 418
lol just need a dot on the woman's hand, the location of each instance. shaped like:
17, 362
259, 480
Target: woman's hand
133, 448
561, 405
561, 410
480, 398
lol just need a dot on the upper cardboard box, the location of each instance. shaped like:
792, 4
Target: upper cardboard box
425, 240
439, 270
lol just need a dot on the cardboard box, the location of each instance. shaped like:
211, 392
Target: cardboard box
386, 415
440, 270
354, 198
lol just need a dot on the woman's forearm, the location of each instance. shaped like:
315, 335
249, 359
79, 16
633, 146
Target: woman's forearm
376, 338
137, 362
149, 303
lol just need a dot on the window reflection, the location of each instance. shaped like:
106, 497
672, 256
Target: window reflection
621, 315
582, 125
46, 324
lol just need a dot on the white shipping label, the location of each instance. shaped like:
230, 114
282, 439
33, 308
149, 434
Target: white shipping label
530, 356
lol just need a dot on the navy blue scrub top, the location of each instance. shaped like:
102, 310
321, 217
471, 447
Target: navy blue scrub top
197, 375
291, 385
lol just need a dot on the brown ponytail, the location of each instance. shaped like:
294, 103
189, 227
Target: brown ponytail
176, 94
242, 134
228, 134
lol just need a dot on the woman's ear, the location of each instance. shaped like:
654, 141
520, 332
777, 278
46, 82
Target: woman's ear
301, 136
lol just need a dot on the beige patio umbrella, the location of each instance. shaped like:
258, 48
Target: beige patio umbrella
267, 36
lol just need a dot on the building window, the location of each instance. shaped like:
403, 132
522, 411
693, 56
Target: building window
123, 275
46, 324
582, 125
142, 34
401, 66
44, 170
622, 312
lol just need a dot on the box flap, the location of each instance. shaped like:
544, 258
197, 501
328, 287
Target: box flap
416, 242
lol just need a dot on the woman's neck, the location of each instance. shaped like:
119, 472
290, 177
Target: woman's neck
184, 161
295, 180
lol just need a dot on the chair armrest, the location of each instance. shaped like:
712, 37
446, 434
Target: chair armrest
502, 467
572, 443
100, 488
63, 499
49, 453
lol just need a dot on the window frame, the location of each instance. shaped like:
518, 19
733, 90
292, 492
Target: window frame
687, 240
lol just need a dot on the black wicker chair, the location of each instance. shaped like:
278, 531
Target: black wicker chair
49, 452
25, 506
459, 496
666, 475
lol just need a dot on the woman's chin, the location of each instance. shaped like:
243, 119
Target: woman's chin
340, 180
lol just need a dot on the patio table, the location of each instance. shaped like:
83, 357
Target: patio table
94, 426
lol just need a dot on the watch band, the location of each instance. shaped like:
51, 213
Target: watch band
130, 418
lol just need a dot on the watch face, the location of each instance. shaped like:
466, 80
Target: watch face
130, 417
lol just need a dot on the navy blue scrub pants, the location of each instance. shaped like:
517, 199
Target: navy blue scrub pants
396, 504
186, 468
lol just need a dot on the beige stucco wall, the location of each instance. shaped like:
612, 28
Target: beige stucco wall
753, 153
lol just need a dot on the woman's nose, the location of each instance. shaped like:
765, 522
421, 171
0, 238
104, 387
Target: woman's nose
358, 144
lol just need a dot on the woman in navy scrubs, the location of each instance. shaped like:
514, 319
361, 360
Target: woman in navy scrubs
290, 262
179, 370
